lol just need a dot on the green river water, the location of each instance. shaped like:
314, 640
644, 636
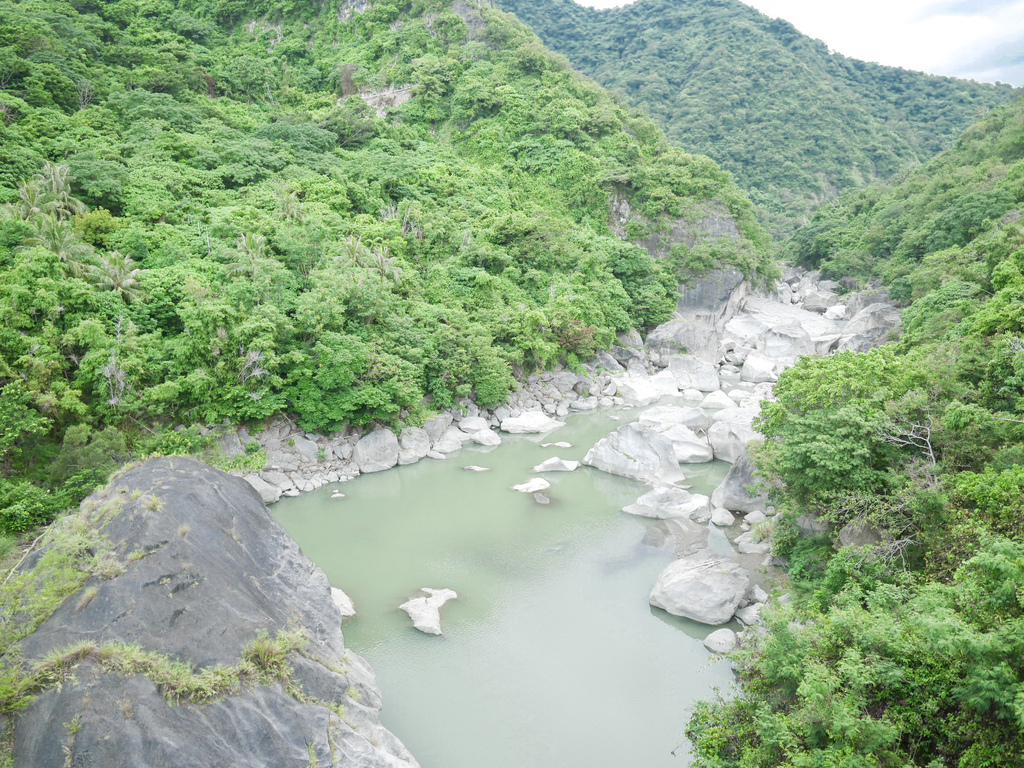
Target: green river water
552, 656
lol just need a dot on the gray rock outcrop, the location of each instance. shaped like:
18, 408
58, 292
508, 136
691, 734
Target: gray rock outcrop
206, 570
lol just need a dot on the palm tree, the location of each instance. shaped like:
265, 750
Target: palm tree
32, 201
248, 255
57, 236
385, 265
117, 272
55, 181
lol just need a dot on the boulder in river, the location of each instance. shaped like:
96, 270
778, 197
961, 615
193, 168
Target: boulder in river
637, 452
694, 418
705, 590
425, 612
555, 464
532, 486
668, 501
414, 445
205, 577
531, 422
721, 641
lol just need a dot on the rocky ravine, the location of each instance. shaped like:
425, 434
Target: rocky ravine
203, 572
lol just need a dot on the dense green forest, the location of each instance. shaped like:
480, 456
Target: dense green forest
204, 221
793, 122
905, 647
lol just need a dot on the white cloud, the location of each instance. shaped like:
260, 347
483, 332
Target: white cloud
963, 38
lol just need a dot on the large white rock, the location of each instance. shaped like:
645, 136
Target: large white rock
471, 424
739, 414
748, 544
869, 327
452, 440
689, 448
534, 485
531, 422
706, 590
376, 451
637, 452
413, 445
758, 368
486, 437
665, 384
269, 493
721, 641
739, 491
836, 312
789, 340
717, 400
729, 439
693, 373
637, 391
668, 415
425, 612
668, 501
345, 605
555, 464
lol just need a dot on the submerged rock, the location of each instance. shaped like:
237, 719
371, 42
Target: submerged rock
425, 612
532, 486
206, 572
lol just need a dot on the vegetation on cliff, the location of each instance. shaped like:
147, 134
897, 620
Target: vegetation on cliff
225, 211
904, 645
794, 122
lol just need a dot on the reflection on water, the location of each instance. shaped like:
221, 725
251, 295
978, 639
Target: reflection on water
551, 657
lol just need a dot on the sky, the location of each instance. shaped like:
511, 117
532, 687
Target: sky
977, 39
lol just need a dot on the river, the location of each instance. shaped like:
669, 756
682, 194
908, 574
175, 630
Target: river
552, 656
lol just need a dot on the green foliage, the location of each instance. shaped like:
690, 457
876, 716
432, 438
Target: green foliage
918, 674
792, 121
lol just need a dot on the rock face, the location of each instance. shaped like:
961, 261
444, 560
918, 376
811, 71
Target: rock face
425, 612
637, 452
708, 591
216, 570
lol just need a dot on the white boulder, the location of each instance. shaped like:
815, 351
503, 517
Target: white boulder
693, 373
376, 451
425, 612
705, 590
637, 452
531, 422
668, 501
721, 641
343, 602
555, 464
534, 485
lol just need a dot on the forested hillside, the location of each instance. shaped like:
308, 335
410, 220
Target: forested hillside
905, 644
204, 220
793, 122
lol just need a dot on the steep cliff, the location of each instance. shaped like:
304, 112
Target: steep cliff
207, 638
